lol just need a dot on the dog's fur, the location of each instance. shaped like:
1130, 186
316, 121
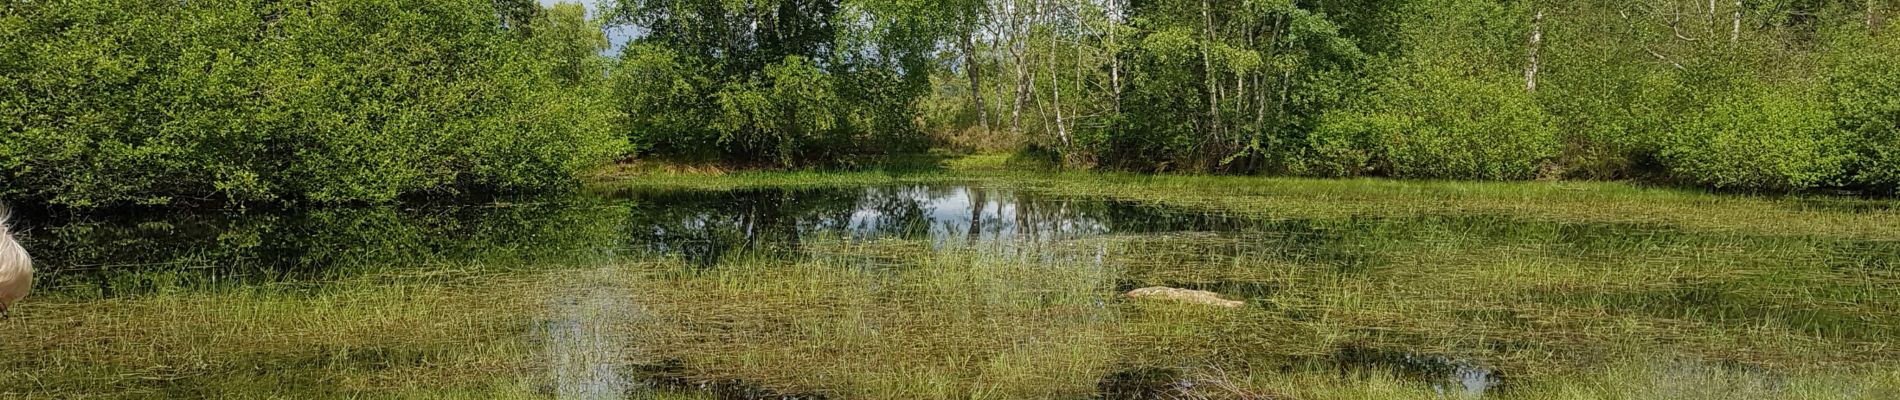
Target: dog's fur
16, 268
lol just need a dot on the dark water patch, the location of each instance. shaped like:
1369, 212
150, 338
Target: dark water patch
1743, 305
1446, 375
1879, 258
671, 376
1504, 317
1142, 383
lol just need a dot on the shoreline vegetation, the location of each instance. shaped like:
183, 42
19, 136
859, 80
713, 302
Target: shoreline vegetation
352, 102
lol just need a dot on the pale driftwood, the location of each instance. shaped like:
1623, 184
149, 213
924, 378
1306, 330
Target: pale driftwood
16, 269
1183, 295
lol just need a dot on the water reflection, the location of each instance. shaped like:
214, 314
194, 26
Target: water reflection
585, 355
1446, 375
122, 254
704, 227
111, 255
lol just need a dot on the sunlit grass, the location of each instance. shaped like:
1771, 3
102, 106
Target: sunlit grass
964, 324
943, 327
454, 338
891, 319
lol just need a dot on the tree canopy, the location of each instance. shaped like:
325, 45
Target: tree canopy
340, 101
238, 101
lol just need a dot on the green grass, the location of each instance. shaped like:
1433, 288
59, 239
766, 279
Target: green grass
966, 324
449, 338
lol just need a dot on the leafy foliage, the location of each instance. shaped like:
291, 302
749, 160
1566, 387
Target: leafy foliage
1770, 141
1221, 87
337, 101
1439, 125
1666, 90
1863, 85
164, 102
789, 82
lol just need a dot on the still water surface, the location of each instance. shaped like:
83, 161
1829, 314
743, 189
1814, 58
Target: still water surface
774, 292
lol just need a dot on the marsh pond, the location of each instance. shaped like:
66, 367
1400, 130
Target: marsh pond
977, 290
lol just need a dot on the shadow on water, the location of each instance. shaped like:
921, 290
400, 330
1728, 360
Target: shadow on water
668, 377
124, 254
1446, 375
1141, 383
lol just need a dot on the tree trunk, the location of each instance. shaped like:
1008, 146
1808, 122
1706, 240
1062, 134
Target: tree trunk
1735, 28
977, 203
1055, 92
1017, 50
1115, 64
1536, 42
1016, 110
1207, 66
976, 81
1082, 98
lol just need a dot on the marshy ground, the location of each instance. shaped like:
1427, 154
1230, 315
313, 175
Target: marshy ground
979, 284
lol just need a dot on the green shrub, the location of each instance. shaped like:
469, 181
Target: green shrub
1864, 90
656, 89
1437, 124
802, 89
792, 116
1764, 141
239, 101
1347, 143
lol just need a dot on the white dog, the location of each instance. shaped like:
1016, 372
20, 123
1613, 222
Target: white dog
16, 269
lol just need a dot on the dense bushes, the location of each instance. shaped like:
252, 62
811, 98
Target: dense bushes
1203, 88
781, 83
1770, 96
1437, 125
1765, 141
1864, 97
157, 102
336, 101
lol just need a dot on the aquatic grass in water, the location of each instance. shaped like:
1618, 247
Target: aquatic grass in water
1006, 286
1539, 301
945, 324
433, 336
950, 327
